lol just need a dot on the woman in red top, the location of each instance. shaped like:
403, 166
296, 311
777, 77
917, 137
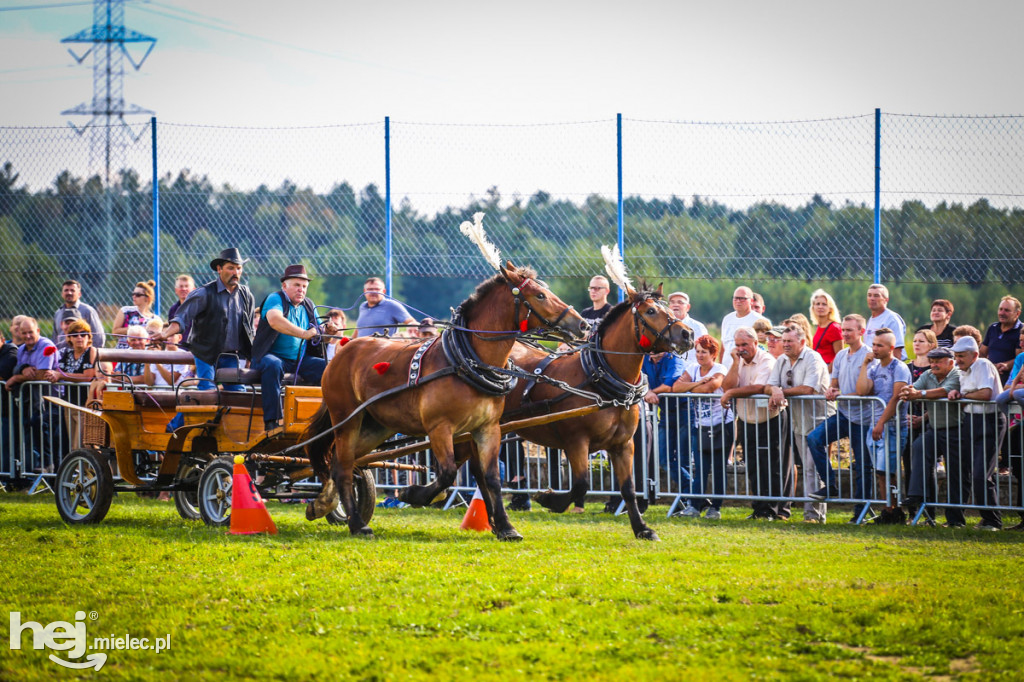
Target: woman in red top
828, 339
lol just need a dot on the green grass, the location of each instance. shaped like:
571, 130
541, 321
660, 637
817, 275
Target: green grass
578, 599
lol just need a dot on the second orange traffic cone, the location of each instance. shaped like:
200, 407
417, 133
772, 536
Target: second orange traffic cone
476, 515
248, 513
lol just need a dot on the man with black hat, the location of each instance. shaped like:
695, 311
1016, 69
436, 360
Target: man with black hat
220, 314
942, 431
287, 321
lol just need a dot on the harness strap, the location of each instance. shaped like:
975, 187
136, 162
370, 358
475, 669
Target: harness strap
538, 371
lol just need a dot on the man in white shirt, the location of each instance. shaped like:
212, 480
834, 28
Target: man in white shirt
758, 426
679, 303
743, 315
800, 371
981, 434
881, 316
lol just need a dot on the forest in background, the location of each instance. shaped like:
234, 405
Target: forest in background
103, 237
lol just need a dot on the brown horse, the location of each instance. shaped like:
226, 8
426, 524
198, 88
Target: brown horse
641, 324
464, 398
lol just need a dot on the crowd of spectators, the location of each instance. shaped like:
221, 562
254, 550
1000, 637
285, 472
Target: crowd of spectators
752, 380
872, 393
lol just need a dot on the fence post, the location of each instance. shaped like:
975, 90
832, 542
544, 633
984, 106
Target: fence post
387, 205
878, 194
156, 222
622, 241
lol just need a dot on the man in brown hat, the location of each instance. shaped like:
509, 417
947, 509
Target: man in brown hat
287, 322
220, 314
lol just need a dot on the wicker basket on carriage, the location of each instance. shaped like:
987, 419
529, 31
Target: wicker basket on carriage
95, 431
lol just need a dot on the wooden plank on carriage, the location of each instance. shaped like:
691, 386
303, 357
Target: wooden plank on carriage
540, 420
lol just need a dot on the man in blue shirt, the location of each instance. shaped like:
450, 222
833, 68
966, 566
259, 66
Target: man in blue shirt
1002, 339
287, 321
379, 313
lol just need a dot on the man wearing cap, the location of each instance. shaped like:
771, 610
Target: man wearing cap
71, 292
800, 371
287, 321
220, 314
679, 303
973, 464
67, 316
942, 430
378, 313
773, 341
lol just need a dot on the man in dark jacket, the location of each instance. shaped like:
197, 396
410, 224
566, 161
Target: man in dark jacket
221, 317
287, 321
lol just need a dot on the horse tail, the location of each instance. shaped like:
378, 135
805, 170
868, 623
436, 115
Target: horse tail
318, 450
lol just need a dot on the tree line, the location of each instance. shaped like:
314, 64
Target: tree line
79, 228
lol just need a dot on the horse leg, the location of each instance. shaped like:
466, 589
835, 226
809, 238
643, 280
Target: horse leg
488, 477
327, 500
578, 463
444, 458
622, 463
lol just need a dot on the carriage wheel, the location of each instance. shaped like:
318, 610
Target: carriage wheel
365, 488
214, 495
187, 501
85, 487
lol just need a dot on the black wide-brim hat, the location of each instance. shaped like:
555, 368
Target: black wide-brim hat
295, 272
228, 256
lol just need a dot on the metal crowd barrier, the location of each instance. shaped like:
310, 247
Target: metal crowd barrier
964, 455
707, 455
35, 434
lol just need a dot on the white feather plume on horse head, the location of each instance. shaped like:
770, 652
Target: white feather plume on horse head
475, 231
615, 268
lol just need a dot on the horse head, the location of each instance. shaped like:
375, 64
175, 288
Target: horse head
656, 328
540, 307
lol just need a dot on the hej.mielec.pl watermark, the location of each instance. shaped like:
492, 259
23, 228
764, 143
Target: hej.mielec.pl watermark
71, 638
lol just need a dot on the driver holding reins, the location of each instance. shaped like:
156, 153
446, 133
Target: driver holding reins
288, 323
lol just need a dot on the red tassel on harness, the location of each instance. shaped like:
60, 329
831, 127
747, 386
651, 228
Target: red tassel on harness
343, 340
382, 367
645, 342
524, 325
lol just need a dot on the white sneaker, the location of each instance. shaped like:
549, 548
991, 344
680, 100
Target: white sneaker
690, 512
713, 514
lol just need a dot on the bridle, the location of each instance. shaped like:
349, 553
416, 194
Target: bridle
659, 336
520, 300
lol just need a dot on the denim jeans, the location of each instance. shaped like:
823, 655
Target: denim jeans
1004, 398
674, 440
272, 370
830, 431
206, 373
710, 461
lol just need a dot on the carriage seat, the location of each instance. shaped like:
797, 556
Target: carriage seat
167, 400
250, 377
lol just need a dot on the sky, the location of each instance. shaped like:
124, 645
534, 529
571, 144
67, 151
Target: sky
306, 62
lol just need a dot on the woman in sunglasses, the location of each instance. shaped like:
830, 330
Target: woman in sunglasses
139, 313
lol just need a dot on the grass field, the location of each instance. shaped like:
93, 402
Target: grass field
578, 599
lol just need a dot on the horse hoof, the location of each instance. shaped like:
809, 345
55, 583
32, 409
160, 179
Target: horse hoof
311, 512
648, 534
510, 535
364, 532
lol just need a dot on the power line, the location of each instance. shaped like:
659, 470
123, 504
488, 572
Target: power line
51, 5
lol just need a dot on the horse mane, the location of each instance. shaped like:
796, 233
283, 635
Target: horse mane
484, 288
643, 292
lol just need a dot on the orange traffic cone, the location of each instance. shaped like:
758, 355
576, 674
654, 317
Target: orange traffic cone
248, 513
476, 515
